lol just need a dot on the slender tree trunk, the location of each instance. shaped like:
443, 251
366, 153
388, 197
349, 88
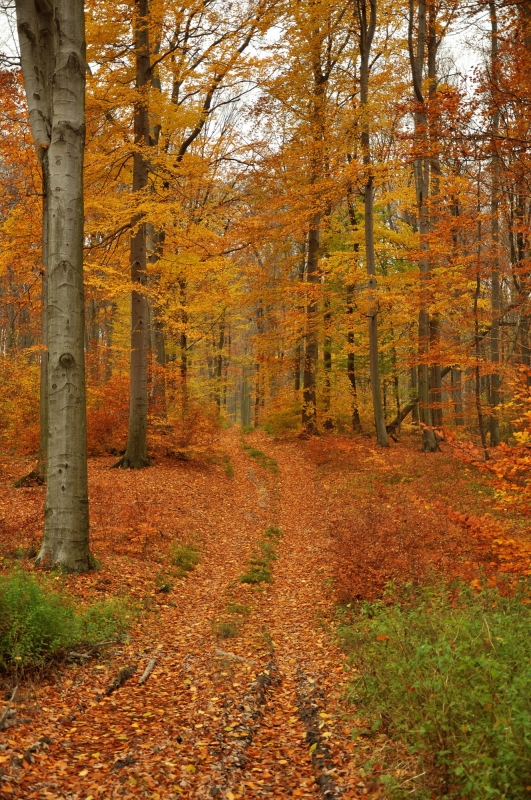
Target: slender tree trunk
414, 391
479, 408
52, 44
109, 339
421, 169
457, 394
309, 397
367, 29
495, 236
327, 363
219, 364
155, 244
436, 381
351, 363
136, 451
351, 359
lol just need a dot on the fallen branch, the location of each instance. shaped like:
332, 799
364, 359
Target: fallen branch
232, 656
5, 712
147, 672
121, 678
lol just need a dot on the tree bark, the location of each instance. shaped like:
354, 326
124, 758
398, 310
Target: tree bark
327, 363
367, 29
136, 455
311, 354
495, 237
422, 185
52, 44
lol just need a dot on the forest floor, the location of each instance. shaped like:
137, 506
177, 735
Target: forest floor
248, 696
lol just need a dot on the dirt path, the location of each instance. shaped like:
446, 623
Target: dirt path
245, 697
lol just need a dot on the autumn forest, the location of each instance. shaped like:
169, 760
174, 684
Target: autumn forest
265, 406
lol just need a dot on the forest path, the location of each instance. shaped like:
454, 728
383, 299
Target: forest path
245, 697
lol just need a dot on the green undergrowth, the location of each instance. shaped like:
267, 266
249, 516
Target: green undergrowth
228, 466
261, 458
185, 557
39, 623
260, 562
446, 671
231, 626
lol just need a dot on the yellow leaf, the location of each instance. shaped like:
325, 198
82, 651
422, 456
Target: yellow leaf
83, 773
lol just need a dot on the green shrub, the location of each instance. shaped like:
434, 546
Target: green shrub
185, 557
448, 672
257, 573
38, 623
226, 630
268, 550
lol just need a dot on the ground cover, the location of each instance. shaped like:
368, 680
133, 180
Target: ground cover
249, 693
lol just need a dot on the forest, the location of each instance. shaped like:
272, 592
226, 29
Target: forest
265, 405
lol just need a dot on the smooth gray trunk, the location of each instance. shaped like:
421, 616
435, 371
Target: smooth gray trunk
52, 45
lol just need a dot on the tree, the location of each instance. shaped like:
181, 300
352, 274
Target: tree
52, 48
367, 27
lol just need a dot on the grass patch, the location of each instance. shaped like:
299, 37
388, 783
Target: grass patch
228, 629
39, 623
163, 583
185, 557
228, 465
447, 672
238, 608
259, 570
261, 458
272, 532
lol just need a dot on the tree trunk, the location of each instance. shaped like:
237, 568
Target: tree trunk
43, 398
136, 451
422, 185
327, 363
457, 394
436, 381
414, 393
367, 29
52, 44
219, 364
495, 237
351, 363
309, 395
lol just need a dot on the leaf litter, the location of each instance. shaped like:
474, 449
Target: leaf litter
261, 714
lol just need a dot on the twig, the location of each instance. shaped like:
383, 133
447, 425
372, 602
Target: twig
6, 709
147, 672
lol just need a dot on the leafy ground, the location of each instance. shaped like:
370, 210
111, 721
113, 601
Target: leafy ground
247, 696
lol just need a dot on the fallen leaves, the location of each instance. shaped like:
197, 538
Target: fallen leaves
266, 716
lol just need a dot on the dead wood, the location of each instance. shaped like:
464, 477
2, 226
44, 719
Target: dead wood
124, 675
147, 672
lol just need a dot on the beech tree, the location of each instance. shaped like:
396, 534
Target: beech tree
52, 48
